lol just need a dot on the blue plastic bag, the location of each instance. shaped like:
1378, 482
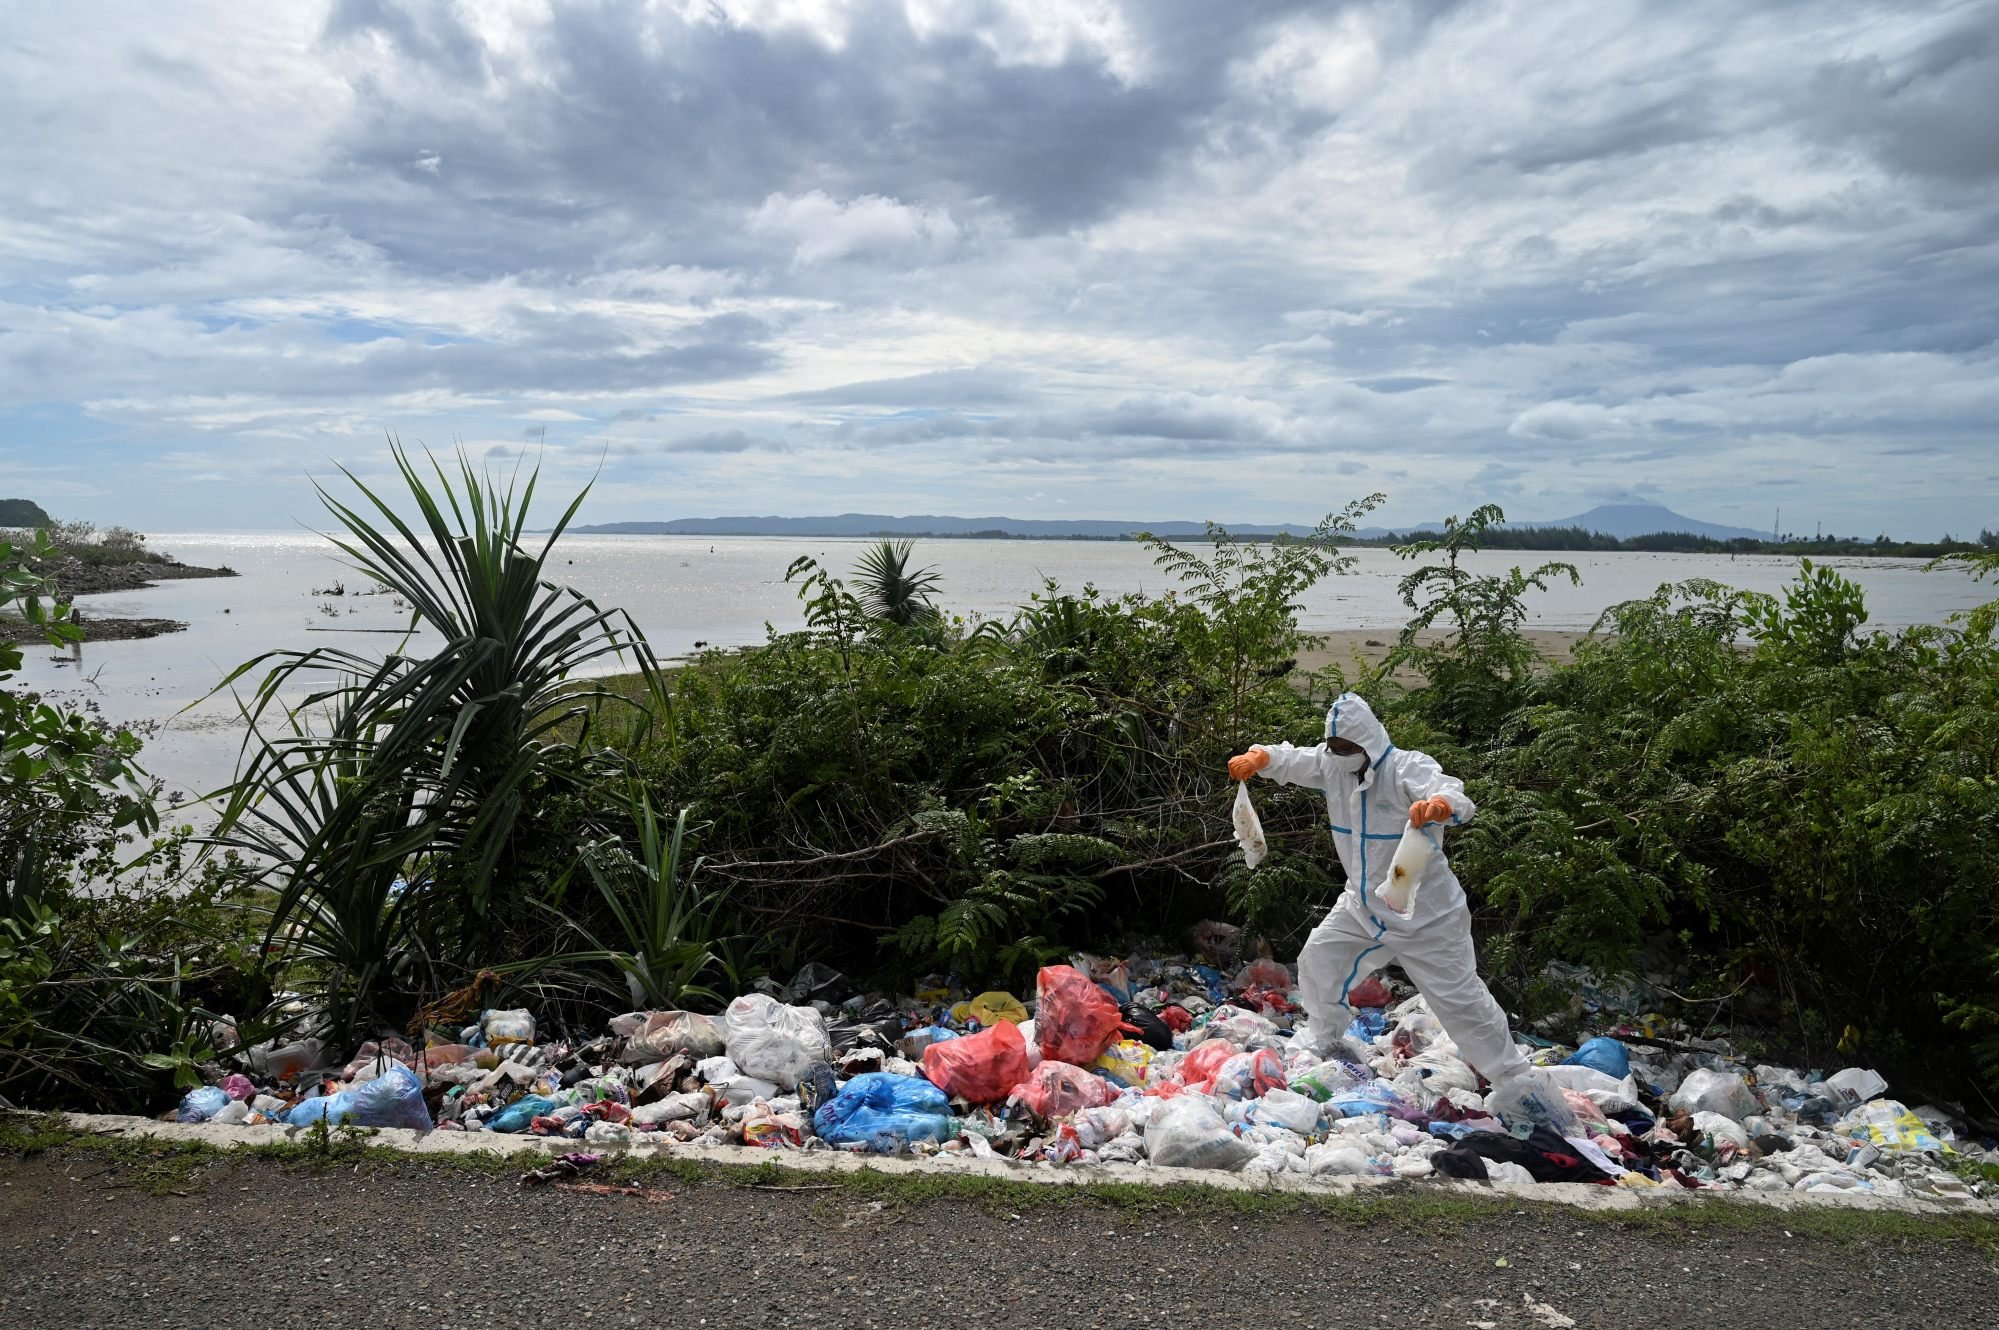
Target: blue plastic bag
393, 1099
1368, 1024
880, 1111
201, 1103
1602, 1054
518, 1115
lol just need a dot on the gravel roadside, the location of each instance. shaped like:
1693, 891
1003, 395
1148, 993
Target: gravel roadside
254, 1243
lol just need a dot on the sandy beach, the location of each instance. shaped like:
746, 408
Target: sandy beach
1372, 645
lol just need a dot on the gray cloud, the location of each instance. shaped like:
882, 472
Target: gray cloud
943, 253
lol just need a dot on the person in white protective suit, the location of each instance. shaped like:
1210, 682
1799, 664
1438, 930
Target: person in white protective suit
1373, 790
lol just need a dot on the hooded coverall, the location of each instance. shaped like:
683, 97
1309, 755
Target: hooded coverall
1368, 810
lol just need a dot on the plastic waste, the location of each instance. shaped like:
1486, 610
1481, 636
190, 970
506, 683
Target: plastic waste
1330, 1078
238, 1086
665, 1033
1148, 1028
1249, 1075
773, 1042
989, 1009
1283, 1108
1405, 871
1529, 1101
1094, 1128
1370, 992
1336, 1159
282, 1061
880, 1112
1244, 1029
676, 1107
1248, 827
1188, 1132
201, 1103
739, 1089
1076, 1019
1607, 1093
1056, 1089
1721, 1130
1723, 1092
1892, 1127
1127, 1062
769, 1129
1197, 1070
979, 1068
393, 1099
1855, 1085
1602, 1054
506, 1027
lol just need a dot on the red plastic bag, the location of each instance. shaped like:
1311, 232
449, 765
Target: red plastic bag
1370, 992
1177, 1018
1056, 1089
1263, 973
1198, 1068
1076, 1020
979, 1068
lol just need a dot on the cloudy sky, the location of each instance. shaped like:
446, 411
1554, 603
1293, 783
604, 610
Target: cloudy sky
1157, 259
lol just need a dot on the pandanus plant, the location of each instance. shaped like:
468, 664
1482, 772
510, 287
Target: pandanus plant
380, 797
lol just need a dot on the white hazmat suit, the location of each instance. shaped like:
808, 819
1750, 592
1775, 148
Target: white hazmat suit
1368, 801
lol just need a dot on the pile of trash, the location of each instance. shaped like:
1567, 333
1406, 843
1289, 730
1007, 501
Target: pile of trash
1138, 1061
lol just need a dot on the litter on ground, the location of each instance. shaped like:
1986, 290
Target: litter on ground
1133, 1061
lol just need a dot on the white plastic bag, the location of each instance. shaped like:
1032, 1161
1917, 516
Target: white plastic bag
1405, 871
1856, 1085
1283, 1108
1606, 1092
661, 1034
1189, 1133
1337, 1159
773, 1042
507, 1027
1722, 1092
1249, 827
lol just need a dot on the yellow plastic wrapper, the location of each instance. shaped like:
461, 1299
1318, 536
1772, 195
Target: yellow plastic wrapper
1892, 1127
1127, 1060
989, 1009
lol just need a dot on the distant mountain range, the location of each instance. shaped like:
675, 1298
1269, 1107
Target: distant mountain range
1622, 520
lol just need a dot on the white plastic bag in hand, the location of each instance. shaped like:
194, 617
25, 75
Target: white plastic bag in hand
1405, 871
1248, 827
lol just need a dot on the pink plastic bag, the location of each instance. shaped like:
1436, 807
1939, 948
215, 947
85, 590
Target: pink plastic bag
1057, 1089
979, 1068
1076, 1020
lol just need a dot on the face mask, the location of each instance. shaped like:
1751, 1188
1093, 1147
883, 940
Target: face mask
1354, 762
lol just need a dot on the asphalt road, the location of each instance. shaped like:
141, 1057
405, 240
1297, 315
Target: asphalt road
255, 1244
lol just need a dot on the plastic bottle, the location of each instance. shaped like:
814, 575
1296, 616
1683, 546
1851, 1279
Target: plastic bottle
1405, 871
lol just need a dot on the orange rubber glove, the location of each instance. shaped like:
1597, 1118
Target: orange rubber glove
1247, 765
1429, 810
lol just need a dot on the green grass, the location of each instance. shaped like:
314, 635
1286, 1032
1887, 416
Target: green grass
161, 1167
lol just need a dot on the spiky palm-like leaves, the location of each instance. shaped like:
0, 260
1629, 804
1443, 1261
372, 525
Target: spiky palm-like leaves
888, 591
385, 806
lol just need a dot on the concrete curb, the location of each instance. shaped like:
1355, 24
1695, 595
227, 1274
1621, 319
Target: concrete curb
1581, 1196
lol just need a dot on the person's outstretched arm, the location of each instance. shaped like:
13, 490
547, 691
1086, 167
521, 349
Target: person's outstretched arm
1297, 766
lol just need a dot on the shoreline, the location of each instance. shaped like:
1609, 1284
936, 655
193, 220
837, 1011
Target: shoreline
73, 577
1372, 645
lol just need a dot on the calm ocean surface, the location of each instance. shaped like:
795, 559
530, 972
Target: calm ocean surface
723, 590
